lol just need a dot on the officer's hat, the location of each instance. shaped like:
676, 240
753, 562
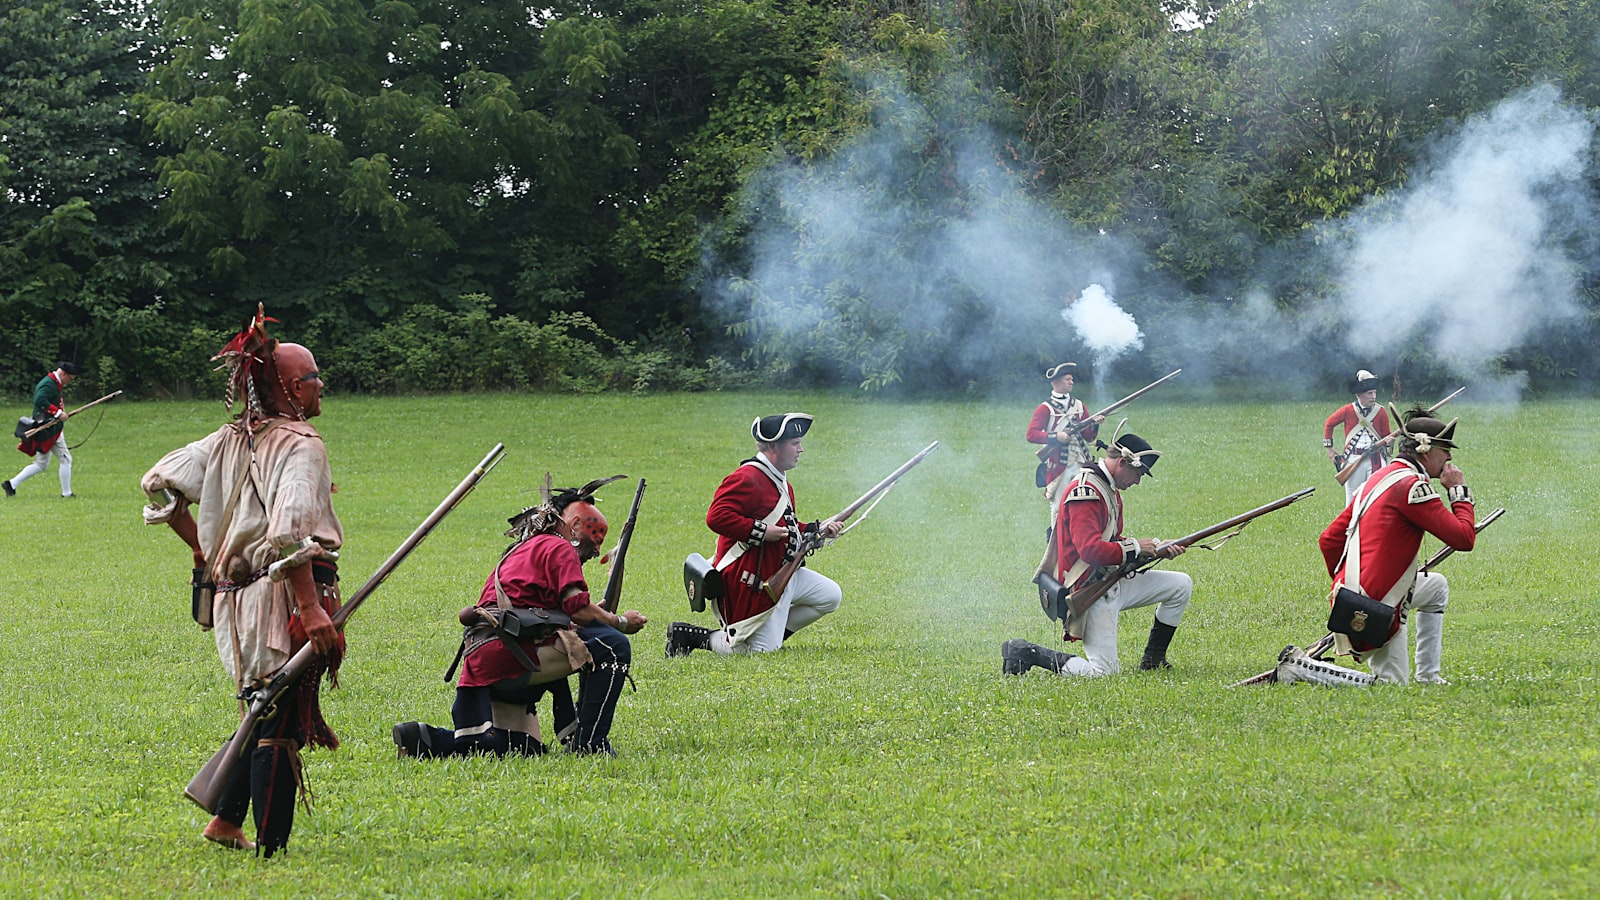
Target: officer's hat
71, 368
1364, 381
772, 429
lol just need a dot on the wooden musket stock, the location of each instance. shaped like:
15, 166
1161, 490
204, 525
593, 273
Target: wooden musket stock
205, 789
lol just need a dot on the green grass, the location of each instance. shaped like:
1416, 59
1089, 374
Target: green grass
881, 753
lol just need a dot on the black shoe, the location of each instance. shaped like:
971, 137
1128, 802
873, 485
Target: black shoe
69, 496
684, 638
1150, 664
414, 739
1017, 656
10, 491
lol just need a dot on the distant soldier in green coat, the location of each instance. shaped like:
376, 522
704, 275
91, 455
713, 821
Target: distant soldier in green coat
47, 406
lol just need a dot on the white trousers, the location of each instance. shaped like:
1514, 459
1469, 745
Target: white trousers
42, 461
1360, 476
1170, 590
808, 598
1392, 663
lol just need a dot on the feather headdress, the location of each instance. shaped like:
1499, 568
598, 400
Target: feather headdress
544, 518
245, 357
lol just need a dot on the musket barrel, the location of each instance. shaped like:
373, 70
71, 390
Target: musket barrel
443, 509
885, 484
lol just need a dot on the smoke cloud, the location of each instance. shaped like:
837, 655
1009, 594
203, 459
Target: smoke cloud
917, 234
1478, 254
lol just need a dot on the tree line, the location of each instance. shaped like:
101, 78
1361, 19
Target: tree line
575, 196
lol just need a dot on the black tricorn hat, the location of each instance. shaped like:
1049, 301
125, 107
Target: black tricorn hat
1137, 452
71, 368
772, 429
1056, 371
1363, 382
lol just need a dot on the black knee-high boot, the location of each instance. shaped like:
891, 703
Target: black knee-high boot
1155, 650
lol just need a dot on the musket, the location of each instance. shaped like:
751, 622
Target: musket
1044, 452
619, 557
1068, 602
1354, 462
780, 579
206, 787
1325, 643
33, 431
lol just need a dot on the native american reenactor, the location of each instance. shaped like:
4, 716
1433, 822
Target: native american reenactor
1089, 541
534, 625
1366, 423
1066, 430
253, 501
1371, 550
48, 406
758, 533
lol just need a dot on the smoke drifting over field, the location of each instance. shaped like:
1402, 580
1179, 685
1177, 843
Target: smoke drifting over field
903, 235
1480, 249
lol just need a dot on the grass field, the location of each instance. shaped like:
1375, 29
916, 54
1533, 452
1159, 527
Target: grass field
881, 753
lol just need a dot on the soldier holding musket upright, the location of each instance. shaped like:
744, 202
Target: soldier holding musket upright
1089, 542
1365, 424
1067, 431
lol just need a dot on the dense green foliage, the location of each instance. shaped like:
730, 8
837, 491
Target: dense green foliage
869, 193
880, 753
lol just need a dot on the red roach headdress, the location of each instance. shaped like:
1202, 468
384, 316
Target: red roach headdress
245, 357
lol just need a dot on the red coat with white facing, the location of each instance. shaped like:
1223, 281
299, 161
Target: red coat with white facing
1091, 504
1346, 416
747, 496
1392, 528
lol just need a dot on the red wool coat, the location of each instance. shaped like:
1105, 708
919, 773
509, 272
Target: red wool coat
1391, 530
747, 496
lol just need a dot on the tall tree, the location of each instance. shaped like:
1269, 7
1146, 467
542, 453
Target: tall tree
355, 157
78, 242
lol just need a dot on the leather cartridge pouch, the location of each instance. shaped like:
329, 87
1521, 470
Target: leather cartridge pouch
701, 581
24, 425
201, 595
533, 624
1052, 596
1365, 621
1040, 479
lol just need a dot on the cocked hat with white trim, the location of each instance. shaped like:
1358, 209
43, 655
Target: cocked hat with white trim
1423, 432
1136, 452
772, 429
1056, 371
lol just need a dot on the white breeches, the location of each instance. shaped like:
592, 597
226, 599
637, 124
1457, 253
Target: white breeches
42, 461
808, 598
1170, 590
1391, 663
